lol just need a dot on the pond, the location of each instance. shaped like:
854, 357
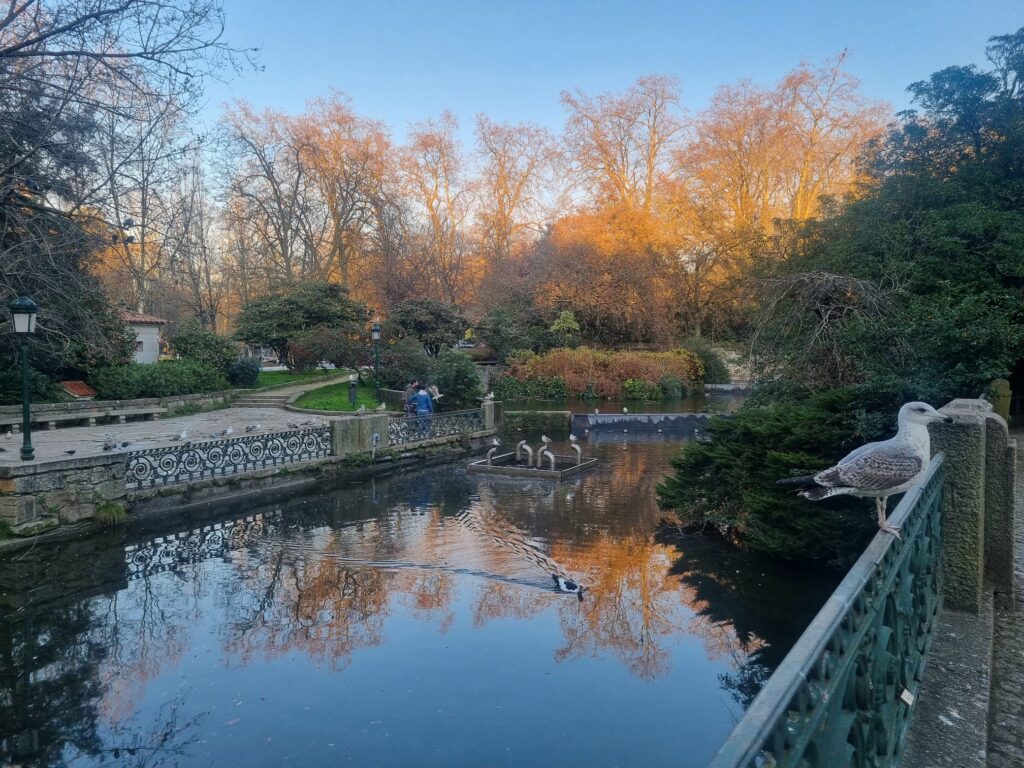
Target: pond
410, 620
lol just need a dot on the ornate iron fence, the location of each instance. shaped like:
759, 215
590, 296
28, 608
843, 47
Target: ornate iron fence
412, 429
843, 694
231, 456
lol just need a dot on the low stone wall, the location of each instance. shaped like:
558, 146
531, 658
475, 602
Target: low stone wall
39, 496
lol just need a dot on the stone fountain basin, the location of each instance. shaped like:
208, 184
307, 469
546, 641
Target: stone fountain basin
505, 464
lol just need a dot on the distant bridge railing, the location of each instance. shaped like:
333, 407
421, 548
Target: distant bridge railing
412, 429
843, 694
230, 456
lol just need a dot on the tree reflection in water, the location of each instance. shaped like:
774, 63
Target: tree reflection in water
322, 577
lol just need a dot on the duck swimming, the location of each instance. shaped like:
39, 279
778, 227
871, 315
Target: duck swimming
567, 586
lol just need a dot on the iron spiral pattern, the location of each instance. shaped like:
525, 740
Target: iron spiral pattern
843, 695
412, 429
175, 551
230, 456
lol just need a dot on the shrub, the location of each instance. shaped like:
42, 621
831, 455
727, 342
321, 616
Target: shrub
193, 342
456, 376
729, 483
672, 387
508, 388
437, 326
715, 370
41, 389
637, 389
175, 377
244, 373
548, 388
403, 362
600, 373
339, 346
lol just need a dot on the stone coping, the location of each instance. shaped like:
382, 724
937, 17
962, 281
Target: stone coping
37, 467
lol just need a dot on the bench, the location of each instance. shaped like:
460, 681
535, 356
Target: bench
149, 413
90, 417
52, 419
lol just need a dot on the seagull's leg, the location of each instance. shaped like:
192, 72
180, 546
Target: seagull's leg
883, 524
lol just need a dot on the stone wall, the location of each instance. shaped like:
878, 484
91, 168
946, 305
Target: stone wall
41, 495
37, 496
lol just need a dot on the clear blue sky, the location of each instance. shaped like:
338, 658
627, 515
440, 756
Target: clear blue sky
403, 61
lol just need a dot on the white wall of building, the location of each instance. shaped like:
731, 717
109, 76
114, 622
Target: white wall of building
147, 342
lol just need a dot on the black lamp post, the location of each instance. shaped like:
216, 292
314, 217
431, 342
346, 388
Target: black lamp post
23, 318
375, 332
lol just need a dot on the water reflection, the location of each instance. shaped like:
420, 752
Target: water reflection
384, 622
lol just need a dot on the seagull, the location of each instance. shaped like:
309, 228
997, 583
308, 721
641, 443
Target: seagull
545, 439
109, 442
432, 389
361, 409
573, 439
567, 586
597, 411
183, 435
879, 470
625, 409
382, 407
495, 442
489, 397
250, 428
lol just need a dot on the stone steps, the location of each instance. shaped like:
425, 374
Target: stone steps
261, 401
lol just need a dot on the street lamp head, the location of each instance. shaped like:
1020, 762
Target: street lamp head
23, 315
375, 331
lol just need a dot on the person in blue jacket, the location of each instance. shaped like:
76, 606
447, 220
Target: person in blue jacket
424, 405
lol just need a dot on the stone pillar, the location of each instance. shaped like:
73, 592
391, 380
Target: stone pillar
371, 425
963, 520
1000, 465
345, 436
978, 519
489, 414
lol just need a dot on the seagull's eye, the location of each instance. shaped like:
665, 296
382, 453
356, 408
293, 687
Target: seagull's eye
919, 410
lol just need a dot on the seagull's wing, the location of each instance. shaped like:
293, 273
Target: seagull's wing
882, 467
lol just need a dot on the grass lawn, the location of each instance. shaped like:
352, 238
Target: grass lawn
335, 398
269, 378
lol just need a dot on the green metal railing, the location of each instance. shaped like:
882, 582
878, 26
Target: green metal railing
843, 694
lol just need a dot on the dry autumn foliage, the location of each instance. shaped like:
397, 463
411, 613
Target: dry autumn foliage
642, 220
603, 373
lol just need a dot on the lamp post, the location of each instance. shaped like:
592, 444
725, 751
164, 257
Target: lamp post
375, 332
23, 317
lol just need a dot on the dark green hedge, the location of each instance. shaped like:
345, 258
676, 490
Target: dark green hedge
174, 377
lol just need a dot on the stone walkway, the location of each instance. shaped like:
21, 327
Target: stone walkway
1006, 712
88, 441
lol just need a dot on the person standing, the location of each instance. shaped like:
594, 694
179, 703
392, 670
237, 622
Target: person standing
424, 404
409, 395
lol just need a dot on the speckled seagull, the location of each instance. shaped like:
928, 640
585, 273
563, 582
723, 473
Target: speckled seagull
879, 470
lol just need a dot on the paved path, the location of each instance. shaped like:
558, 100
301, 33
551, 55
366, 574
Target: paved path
88, 441
1006, 712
